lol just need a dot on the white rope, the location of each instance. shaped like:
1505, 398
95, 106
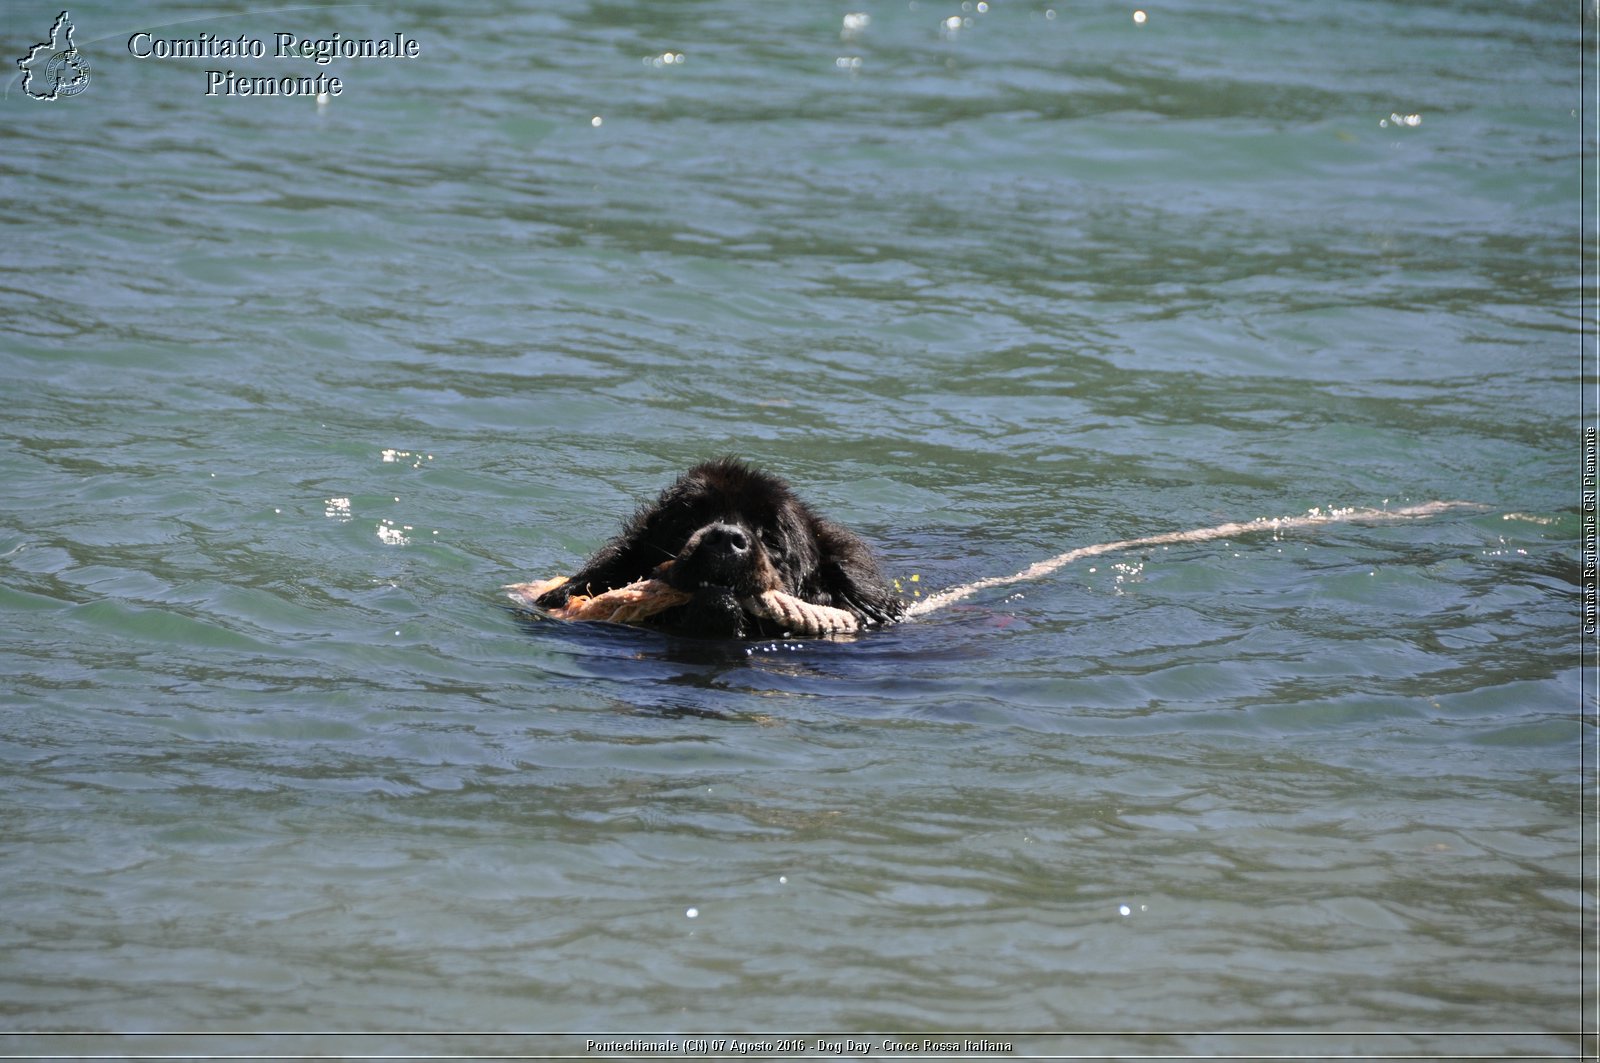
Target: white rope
801, 616
1198, 535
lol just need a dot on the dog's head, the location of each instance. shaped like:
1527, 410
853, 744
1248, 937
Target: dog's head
727, 535
732, 533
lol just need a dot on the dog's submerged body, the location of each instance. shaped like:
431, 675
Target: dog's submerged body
726, 534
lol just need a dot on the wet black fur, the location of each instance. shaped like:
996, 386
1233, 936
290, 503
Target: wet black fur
731, 532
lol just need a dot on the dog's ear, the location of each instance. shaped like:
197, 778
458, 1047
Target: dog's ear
872, 599
849, 576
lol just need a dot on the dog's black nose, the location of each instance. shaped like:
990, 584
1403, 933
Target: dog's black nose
724, 538
720, 554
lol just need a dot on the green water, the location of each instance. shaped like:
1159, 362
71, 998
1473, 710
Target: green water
290, 391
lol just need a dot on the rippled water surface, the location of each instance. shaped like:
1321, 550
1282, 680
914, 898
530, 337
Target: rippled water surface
290, 391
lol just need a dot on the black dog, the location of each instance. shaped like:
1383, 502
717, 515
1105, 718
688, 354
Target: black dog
726, 533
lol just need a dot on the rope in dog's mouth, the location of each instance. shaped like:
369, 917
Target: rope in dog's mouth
1197, 535
643, 599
